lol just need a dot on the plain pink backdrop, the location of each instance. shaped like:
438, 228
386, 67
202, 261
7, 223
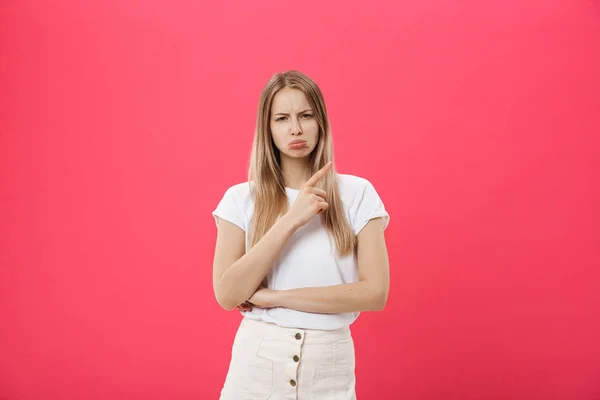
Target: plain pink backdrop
123, 123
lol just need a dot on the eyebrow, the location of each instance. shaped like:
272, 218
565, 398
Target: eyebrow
303, 111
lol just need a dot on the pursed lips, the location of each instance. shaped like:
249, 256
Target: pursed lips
297, 144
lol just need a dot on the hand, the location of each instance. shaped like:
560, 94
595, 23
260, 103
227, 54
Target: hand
310, 200
264, 298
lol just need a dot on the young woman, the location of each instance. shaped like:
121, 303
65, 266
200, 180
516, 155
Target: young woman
300, 251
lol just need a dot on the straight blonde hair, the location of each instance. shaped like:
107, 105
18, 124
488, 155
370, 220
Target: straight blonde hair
268, 190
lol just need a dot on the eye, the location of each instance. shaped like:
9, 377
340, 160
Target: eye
307, 115
279, 119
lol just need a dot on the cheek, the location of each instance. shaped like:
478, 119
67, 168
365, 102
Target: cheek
314, 129
277, 136
311, 124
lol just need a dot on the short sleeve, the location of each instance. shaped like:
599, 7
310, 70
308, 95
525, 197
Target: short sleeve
229, 209
368, 206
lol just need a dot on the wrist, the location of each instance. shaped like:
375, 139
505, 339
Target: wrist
277, 298
290, 224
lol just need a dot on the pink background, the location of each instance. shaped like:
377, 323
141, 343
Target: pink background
121, 126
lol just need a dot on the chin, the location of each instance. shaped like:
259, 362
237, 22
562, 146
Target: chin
298, 153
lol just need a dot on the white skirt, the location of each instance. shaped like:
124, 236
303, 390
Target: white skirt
272, 362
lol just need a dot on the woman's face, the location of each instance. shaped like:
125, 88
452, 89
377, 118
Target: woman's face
293, 125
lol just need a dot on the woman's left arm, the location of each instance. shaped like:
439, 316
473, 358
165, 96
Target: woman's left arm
368, 294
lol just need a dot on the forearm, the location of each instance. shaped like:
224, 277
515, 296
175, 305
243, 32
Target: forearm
349, 297
239, 282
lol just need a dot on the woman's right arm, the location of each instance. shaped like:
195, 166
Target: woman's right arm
236, 275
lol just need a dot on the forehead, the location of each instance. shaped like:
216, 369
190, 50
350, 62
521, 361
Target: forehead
288, 99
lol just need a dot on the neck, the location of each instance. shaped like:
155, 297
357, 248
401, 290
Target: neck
295, 171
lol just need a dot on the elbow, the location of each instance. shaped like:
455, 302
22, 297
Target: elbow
379, 301
228, 307
226, 301
225, 304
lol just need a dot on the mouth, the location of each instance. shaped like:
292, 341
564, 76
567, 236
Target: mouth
297, 144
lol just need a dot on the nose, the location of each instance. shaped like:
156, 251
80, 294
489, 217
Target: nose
296, 128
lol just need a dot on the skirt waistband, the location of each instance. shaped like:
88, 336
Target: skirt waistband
309, 336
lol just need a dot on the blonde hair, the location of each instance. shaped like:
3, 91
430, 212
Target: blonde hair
268, 190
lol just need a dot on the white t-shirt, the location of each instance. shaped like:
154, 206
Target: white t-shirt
309, 258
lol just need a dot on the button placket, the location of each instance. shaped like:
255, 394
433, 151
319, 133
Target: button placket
291, 366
